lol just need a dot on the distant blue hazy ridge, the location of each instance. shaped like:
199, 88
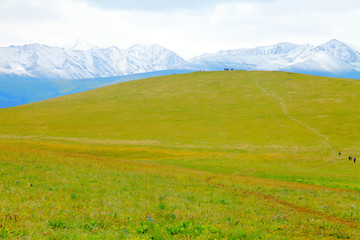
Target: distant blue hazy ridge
18, 90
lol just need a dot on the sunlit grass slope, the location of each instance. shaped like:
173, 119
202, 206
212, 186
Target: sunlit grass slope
202, 155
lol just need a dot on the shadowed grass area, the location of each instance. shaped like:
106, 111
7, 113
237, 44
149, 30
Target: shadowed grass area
237, 155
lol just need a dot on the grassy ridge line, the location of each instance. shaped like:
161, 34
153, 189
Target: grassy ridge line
147, 143
244, 163
107, 161
202, 158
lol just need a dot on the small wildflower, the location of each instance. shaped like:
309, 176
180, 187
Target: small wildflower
150, 218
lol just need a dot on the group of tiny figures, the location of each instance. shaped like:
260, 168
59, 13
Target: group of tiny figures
350, 157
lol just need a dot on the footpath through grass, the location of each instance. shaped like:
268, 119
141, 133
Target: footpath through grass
214, 155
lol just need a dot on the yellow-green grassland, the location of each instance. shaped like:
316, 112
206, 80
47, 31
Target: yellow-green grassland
205, 155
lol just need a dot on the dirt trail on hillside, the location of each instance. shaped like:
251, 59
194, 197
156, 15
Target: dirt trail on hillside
285, 111
115, 162
297, 208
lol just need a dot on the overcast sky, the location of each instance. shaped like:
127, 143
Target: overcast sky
188, 27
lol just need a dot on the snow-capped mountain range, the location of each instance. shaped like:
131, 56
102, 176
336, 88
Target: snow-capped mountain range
85, 60
333, 58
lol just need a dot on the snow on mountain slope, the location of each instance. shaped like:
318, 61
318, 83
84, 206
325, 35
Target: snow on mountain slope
260, 58
85, 61
320, 61
155, 56
340, 50
333, 58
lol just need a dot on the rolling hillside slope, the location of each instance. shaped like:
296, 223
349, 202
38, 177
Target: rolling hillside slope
237, 155
212, 108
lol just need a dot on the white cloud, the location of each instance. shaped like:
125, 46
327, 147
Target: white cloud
20, 11
190, 28
161, 5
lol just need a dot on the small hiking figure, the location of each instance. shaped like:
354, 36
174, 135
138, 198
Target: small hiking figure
350, 158
354, 159
339, 153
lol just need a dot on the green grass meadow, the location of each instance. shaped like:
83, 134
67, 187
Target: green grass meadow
205, 155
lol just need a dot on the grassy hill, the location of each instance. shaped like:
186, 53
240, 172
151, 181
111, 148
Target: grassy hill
237, 155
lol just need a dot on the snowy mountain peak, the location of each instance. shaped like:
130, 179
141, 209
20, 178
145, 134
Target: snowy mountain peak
340, 50
334, 42
83, 45
156, 53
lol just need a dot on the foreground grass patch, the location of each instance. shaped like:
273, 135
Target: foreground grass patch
49, 195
